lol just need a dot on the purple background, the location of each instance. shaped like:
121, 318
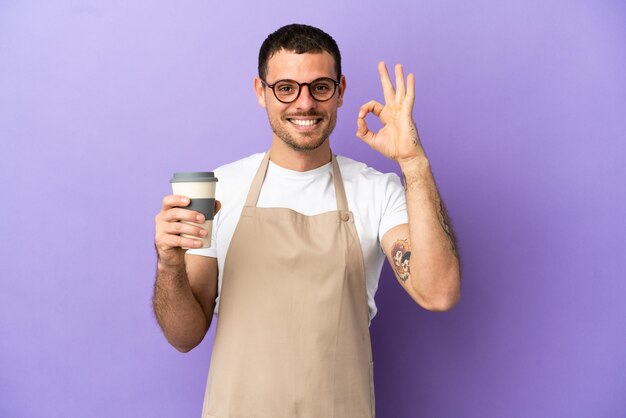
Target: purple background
521, 106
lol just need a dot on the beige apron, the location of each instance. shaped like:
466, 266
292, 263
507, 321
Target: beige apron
292, 338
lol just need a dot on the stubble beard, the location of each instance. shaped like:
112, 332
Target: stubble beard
313, 140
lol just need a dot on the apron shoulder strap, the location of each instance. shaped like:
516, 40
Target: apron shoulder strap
257, 182
340, 192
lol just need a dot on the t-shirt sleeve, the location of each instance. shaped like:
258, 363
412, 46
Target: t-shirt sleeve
394, 207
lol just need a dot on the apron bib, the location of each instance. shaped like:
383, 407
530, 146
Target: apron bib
292, 337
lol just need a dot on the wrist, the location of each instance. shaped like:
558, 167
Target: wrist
171, 265
417, 165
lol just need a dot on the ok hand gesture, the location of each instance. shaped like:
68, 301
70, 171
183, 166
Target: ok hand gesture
398, 138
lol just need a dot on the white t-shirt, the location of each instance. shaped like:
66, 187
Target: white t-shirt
377, 201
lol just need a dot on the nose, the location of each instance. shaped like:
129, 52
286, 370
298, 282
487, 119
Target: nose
305, 101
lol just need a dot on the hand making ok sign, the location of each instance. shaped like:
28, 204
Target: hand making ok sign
398, 138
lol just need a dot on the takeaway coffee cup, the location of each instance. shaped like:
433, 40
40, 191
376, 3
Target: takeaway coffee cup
199, 187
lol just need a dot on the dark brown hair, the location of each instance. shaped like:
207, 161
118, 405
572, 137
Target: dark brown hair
299, 39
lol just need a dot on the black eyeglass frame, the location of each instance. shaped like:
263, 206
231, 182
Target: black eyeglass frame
300, 85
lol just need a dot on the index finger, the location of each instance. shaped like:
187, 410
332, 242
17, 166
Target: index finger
174, 200
388, 90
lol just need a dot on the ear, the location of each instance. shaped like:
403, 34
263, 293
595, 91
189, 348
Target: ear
342, 90
259, 90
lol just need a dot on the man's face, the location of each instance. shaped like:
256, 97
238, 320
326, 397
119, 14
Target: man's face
304, 124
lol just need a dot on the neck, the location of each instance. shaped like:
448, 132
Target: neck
284, 156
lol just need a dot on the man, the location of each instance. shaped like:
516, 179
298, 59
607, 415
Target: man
296, 246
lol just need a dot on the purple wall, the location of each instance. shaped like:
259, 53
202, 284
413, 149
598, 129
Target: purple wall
521, 106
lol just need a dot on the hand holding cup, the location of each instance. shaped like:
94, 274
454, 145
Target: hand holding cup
186, 217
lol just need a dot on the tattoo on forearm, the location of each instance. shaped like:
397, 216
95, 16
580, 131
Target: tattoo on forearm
446, 225
401, 253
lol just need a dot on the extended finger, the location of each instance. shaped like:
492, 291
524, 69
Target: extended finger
370, 107
400, 91
218, 206
173, 200
388, 90
409, 99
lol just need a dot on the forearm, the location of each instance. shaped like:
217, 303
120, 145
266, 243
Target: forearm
435, 264
179, 314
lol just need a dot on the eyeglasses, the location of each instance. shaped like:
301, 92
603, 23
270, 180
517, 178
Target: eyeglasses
288, 91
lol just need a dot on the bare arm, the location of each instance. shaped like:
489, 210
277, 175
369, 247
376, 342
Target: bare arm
186, 285
423, 252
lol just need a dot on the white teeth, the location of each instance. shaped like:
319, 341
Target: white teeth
304, 122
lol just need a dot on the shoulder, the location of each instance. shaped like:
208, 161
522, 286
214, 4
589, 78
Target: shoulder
238, 172
377, 199
233, 179
240, 167
361, 174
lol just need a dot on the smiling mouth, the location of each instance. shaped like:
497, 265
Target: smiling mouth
304, 122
